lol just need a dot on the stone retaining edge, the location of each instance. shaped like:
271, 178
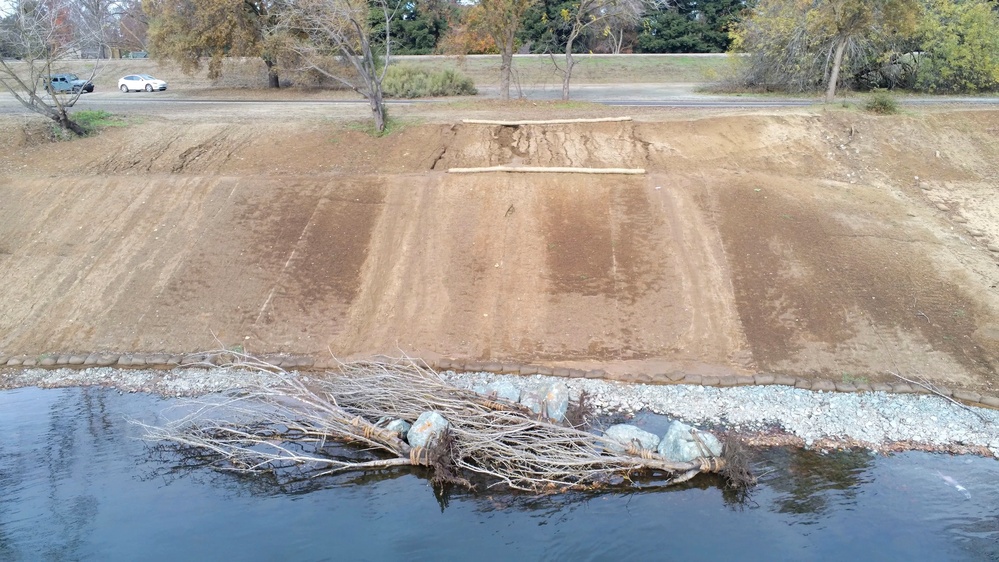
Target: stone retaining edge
166, 361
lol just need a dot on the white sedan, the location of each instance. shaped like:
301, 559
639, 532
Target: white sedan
136, 82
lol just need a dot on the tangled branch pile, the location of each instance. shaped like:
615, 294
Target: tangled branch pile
292, 422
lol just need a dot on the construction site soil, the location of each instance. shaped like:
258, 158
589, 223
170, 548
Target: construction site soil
821, 243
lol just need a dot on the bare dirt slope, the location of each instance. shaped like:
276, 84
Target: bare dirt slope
792, 243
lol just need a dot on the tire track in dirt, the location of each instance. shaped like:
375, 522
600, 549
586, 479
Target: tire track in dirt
197, 149
768, 246
805, 282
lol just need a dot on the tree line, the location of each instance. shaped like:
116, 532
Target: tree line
787, 45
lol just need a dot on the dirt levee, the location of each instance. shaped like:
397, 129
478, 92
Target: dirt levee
837, 245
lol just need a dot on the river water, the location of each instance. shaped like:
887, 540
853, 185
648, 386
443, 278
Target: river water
78, 483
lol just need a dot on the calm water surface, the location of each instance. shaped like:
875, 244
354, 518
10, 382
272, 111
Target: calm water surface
77, 483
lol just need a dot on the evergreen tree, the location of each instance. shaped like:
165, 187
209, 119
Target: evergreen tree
689, 26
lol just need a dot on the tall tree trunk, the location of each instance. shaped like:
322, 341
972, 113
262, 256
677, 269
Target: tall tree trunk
569, 63
378, 112
506, 67
273, 81
837, 63
376, 98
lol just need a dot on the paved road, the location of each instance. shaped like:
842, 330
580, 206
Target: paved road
644, 95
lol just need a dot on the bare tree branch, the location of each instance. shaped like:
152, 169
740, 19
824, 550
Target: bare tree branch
289, 423
40, 35
332, 37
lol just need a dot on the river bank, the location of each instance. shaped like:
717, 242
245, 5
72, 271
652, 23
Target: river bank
791, 245
758, 415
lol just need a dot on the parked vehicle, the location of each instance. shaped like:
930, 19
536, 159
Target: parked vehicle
137, 82
71, 83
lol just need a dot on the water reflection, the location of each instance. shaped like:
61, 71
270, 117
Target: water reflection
76, 483
811, 483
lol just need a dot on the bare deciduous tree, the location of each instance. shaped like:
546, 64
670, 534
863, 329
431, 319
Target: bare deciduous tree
132, 26
619, 19
37, 36
333, 38
591, 15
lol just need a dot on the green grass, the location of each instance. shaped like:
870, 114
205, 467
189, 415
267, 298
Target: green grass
367, 126
93, 120
854, 379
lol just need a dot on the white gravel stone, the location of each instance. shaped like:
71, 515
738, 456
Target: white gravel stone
873, 418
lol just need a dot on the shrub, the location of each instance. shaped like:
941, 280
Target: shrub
961, 42
881, 102
403, 81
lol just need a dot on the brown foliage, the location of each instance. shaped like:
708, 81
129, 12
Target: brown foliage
468, 35
186, 31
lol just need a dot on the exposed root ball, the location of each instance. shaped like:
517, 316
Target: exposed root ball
736, 467
580, 411
444, 460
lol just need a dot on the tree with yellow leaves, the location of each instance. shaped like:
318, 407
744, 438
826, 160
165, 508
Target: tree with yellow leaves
501, 19
583, 16
959, 46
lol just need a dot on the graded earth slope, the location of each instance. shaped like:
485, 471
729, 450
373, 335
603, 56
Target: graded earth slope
834, 244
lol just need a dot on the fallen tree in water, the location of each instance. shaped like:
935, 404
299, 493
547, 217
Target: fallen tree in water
293, 423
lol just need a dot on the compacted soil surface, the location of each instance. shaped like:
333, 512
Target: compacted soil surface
821, 243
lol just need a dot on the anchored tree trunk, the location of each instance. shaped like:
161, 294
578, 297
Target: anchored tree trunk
67, 124
376, 102
837, 64
505, 38
489, 438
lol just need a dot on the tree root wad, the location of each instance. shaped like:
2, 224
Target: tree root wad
735, 469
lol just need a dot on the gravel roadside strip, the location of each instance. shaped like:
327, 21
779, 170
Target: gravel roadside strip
761, 414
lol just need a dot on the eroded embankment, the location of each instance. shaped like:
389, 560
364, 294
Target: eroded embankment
798, 245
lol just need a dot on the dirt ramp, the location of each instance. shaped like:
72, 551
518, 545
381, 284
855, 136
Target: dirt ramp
548, 267
495, 267
594, 145
180, 260
843, 280
839, 245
